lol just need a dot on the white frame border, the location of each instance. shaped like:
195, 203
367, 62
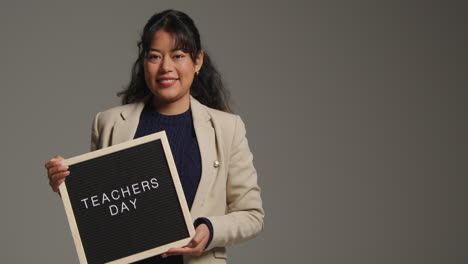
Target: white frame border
175, 177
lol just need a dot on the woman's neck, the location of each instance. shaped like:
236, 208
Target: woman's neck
171, 108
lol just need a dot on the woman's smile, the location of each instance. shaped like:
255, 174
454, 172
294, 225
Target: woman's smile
166, 81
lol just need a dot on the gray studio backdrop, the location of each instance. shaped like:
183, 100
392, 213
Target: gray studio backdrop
355, 113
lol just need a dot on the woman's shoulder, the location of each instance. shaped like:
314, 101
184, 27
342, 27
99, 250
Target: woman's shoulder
217, 116
228, 124
117, 113
123, 110
222, 115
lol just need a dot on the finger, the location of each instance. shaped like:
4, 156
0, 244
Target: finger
180, 251
52, 185
57, 158
56, 169
56, 185
59, 182
167, 253
51, 164
60, 175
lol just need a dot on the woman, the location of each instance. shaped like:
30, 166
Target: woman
175, 87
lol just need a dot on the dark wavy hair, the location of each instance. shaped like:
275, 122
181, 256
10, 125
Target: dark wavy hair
206, 87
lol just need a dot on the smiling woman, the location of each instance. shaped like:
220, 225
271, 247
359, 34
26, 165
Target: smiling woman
179, 39
175, 87
169, 73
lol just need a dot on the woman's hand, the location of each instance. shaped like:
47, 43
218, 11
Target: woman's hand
196, 246
56, 172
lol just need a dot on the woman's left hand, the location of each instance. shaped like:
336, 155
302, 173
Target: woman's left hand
196, 246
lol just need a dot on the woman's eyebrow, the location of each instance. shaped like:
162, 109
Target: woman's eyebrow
175, 49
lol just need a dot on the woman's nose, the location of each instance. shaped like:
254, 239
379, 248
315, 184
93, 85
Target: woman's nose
166, 64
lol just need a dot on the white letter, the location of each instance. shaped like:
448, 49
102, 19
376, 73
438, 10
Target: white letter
84, 201
154, 183
116, 209
127, 191
113, 197
133, 202
135, 188
145, 184
104, 198
124, 206
94, 200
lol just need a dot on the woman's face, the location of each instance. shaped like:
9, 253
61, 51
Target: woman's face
169, 72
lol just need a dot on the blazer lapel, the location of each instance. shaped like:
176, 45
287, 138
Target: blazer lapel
207, 145
125, 128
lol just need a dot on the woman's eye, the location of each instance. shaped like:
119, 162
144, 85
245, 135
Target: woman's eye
179, 56
153, 57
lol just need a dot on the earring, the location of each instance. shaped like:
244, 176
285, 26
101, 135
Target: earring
196, 73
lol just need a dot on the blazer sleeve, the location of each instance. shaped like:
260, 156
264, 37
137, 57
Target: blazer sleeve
95, 134
244, 217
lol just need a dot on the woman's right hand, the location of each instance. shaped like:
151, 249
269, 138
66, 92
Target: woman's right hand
56, 172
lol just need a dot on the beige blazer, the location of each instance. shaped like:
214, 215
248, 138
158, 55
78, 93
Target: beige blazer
228, 194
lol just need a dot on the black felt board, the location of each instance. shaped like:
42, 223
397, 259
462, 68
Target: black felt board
157, 219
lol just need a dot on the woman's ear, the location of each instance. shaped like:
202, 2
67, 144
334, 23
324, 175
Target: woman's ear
199, 61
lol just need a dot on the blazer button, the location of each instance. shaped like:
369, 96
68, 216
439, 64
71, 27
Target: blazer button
216, 164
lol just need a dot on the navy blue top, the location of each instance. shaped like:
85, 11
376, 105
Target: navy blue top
183, 141
184, 146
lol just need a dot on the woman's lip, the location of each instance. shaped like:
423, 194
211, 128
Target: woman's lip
167, 82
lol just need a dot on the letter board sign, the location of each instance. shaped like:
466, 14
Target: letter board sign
125, 203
